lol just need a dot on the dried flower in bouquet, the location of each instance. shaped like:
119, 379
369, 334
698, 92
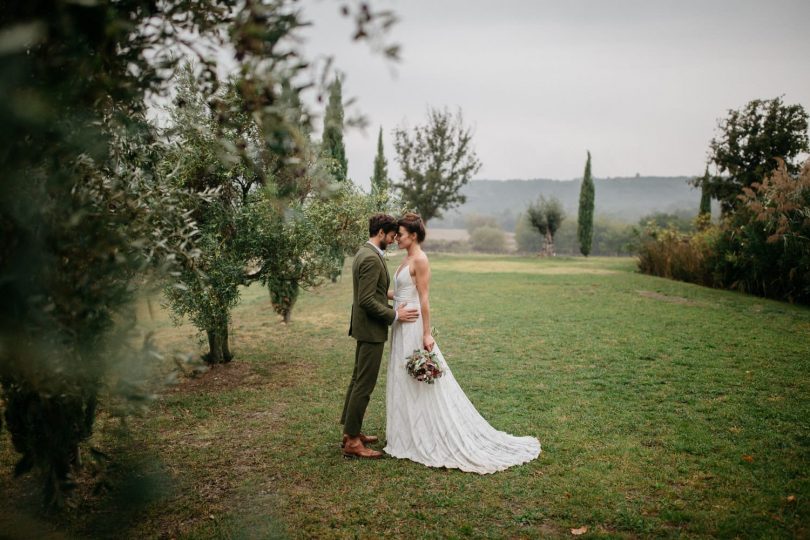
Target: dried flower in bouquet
424, 366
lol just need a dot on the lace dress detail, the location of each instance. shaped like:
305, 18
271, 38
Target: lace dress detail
435, 424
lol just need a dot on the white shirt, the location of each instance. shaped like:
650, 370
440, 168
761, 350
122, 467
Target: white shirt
381, 252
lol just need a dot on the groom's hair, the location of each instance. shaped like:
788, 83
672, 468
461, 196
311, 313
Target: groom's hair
381, 221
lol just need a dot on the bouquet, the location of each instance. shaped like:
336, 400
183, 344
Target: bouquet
424, 366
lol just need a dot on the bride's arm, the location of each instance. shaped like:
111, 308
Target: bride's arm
421, 270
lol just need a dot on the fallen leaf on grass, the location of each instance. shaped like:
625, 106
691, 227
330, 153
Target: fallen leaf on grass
791, 498
748, 459
580, 531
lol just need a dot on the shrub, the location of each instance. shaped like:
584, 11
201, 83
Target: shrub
766, 242
474, 221
682, 221
672, 254
488, 239
762, 248
612, 237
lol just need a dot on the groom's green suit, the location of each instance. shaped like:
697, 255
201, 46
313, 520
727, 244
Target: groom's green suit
371, 317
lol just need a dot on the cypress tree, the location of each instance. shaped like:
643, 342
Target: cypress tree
332, 148
705, 197
295, 112
379, 181
586, 204
332, 144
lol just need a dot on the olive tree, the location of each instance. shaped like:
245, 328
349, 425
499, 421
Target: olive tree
85, 209
299, 252
546, 215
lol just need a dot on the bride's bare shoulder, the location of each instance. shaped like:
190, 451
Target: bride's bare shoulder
421, 261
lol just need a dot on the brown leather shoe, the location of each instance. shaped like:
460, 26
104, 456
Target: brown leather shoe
365, 439
354, 449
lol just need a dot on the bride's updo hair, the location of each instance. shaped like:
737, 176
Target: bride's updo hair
413, 224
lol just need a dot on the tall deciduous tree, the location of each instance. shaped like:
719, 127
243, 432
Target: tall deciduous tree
332, 143
546, 215
436, 160
749, 141
585, 216
380, 184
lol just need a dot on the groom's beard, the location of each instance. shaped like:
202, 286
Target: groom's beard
383, 245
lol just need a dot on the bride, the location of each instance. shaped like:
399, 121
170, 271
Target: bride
435, 424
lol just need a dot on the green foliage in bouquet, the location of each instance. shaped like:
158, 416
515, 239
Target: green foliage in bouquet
424, 366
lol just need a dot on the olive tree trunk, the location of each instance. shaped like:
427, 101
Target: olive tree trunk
218, 350
548, 245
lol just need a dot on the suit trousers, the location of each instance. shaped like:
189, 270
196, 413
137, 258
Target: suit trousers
367, 358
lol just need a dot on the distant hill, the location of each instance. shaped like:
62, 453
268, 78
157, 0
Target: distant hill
625, 199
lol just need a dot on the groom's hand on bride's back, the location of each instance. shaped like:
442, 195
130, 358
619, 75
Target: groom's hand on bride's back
406, 314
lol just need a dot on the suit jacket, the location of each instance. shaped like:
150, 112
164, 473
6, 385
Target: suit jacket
371, 314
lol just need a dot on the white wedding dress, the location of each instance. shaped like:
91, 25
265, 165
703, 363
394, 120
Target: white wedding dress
435, 424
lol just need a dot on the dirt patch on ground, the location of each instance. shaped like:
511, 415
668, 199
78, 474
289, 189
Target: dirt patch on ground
218, 378
670, 299
242, 375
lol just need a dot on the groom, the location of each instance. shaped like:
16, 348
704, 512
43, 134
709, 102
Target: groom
371, 317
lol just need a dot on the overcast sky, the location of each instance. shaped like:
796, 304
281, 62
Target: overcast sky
640, 84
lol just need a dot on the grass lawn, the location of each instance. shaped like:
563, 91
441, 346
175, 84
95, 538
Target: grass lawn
664, 409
